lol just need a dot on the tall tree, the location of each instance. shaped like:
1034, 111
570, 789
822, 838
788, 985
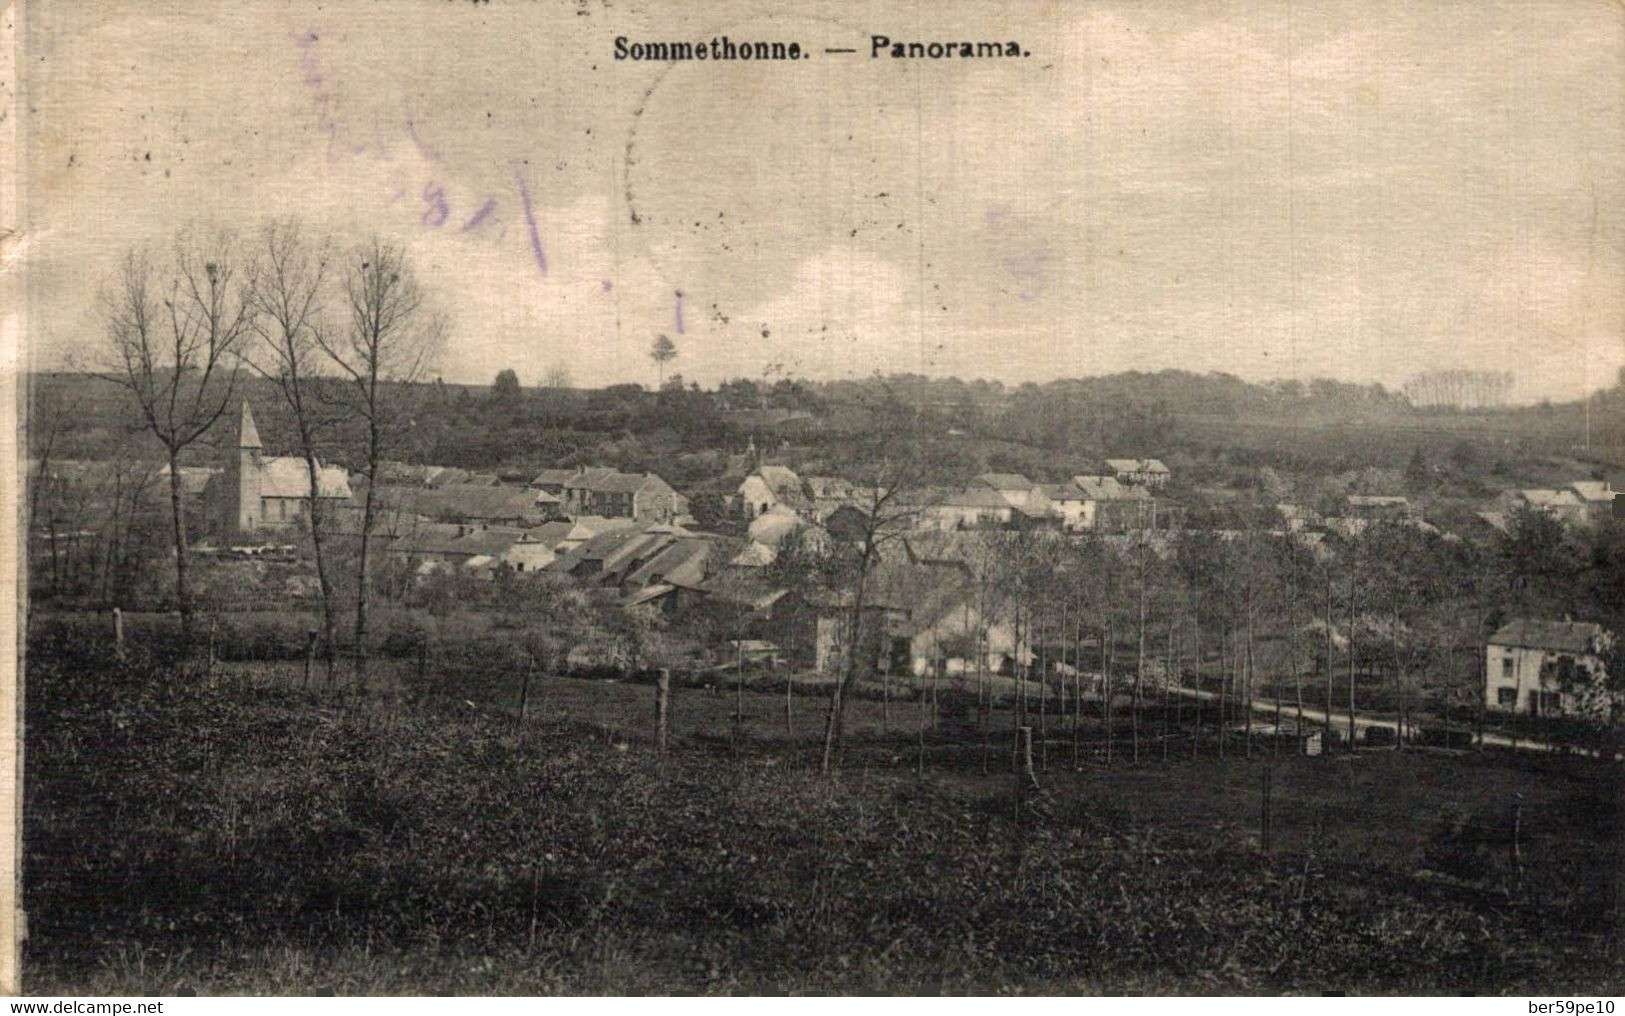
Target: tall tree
173, 335
389, 335
662, 351
288, 285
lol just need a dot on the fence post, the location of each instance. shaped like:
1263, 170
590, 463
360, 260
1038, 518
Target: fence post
310, 654
118, 634
213, 626
789, 705
1264, 817
524, 692
1026, 778
1517, 845
662, 709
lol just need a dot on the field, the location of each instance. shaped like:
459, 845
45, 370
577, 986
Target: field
243, 836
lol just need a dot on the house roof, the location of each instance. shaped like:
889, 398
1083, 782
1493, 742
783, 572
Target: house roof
1107, 488
1061, 491
755, 555
1136, 465
467, 501
829, 486
1005, 481
1377, 500
681, 564
553, 477
427, 538
1558, 636
648, 594
194, 478
1550, 498
772, 527
492, 542
1592, 490
587, 526
779, 478
550, 534
974, 497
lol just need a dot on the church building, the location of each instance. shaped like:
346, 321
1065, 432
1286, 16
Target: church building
259, 491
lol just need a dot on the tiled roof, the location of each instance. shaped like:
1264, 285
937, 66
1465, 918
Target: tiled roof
553, 477
1005, 481
1136, 466
1550, 498
1558, 636
1106, 488
974, 497
1592, 490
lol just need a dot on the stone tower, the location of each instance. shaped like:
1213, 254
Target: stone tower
242, 477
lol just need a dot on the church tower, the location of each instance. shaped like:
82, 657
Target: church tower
242, 477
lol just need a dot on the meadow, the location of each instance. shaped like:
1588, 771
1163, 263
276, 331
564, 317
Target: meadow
241, 833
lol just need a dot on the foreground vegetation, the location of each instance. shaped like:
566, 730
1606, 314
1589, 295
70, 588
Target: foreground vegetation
234, 837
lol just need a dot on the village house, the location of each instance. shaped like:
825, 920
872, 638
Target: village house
644, 497
552, 481
1547, 668
1596, 496
1563, 505
975, 507
1374, 507
1146, 472
1113, 507
469, 503
918, 615
771, 487
259, 491
1013, 487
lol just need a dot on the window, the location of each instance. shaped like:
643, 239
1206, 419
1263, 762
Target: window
1509, 667
1507, 697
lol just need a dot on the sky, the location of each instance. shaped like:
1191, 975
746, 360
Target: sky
1361, 190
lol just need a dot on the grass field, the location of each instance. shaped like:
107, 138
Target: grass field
248, 837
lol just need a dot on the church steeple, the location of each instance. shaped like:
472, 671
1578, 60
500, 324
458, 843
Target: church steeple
248, 435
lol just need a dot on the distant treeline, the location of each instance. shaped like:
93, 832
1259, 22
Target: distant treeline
1461, 389
688, 433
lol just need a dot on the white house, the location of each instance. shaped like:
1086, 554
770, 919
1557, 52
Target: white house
1547, 668
1013, 487
771, 487
1563, 505
1150, 472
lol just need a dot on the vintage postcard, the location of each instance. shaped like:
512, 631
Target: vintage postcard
631, 497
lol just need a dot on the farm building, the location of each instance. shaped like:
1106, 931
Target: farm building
1547, 668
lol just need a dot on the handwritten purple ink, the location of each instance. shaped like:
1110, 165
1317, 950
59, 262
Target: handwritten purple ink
424, 150
606, 285
479, 216
530, 222
435, 196
679, 312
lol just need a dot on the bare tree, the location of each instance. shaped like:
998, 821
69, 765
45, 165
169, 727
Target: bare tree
172, 341
390, 334
881, 511
557, 376
287, 287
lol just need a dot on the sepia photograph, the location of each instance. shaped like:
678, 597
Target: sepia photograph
639, 498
